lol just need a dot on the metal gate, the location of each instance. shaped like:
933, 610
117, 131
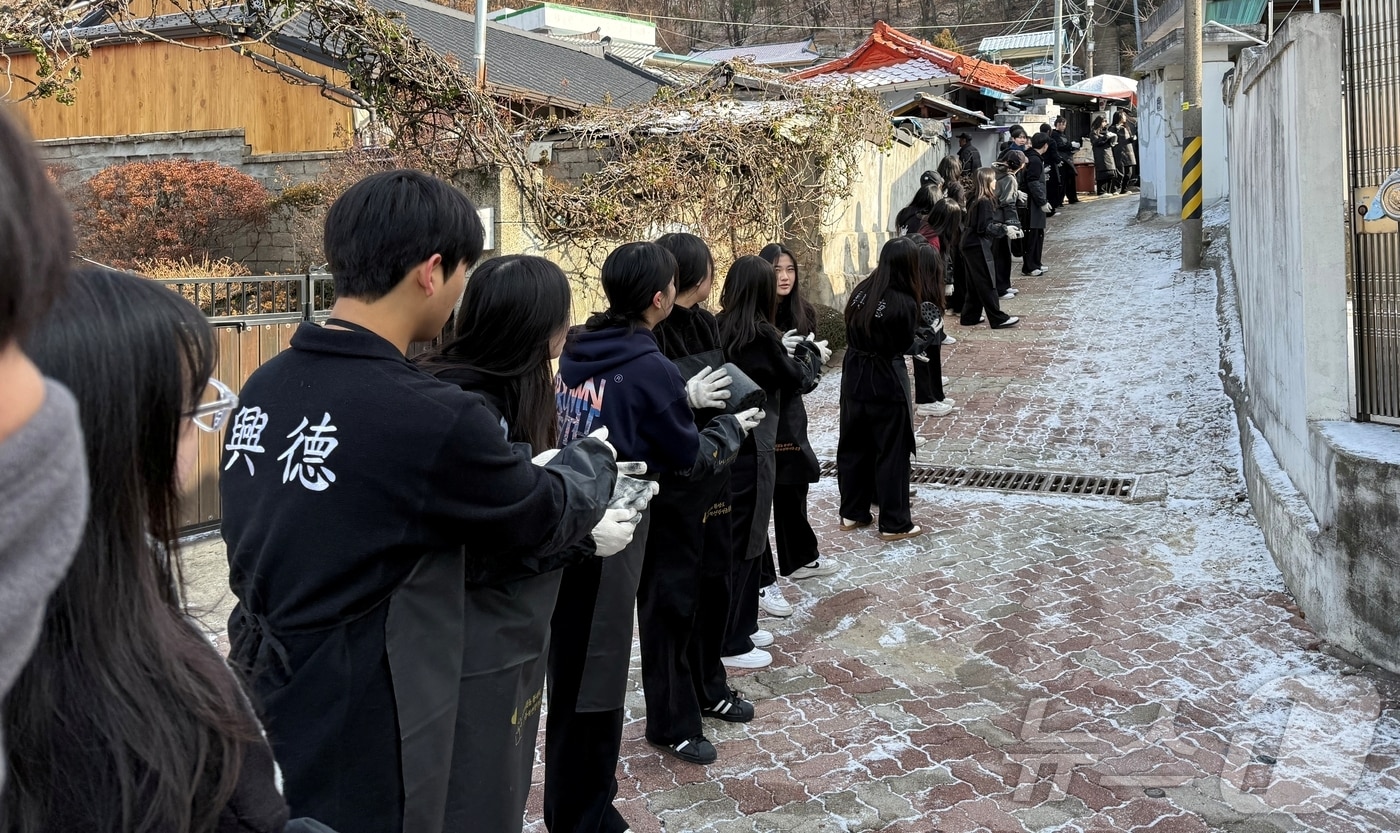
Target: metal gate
1373, 103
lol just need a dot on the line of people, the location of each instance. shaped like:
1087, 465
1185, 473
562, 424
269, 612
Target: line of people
419, 549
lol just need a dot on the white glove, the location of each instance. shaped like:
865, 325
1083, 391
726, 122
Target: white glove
1022, 198
748, 420
706, 389
614, 532
821, 347
1014, 233
601, 435
1074, 145
633, 493
1046, 209
790, 341
544, 456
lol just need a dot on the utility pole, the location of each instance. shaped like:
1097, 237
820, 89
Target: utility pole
1191, 155
1059, 43
1137, 26
1089, 41
481, 44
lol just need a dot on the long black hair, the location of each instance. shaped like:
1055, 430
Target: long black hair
694, 262
125, 717
911, 216
748, 304
897, 271
794, 311
632, 275
931, 272
512, 308
946, 221
954, 183
36, 234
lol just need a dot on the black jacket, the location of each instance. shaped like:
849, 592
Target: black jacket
1104, 154
981, 224
1033, 181
355, 484
868, 373
1052, 153
796, 461
971, 159
1063, 145
1123, 153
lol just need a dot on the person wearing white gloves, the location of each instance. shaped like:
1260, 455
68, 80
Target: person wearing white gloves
512, 324
613, 374
683, 598
1034, 180
795, 463
785, 366
981, 230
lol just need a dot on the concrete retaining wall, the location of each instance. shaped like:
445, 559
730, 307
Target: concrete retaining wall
1323, 487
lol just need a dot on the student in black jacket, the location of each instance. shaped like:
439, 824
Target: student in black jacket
1037, 206
1064, 149
795, 464
612, 374
1109, 178
981, 230
356, 490
877, 437
784, 365
683, 598
512, 323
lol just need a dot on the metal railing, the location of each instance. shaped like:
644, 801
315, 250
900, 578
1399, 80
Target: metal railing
262, 299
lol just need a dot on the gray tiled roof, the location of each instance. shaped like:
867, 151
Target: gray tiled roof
525, 61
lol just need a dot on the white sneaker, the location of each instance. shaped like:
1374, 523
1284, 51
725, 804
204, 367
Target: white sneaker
946, 380
771, 600
933, 409
1037, 272
947, 339
761, 638
757, 658
816, 569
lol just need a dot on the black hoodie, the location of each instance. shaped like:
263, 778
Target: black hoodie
617, 377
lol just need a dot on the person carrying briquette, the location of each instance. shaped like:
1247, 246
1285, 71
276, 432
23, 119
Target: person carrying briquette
876, 434
1054, 191
683, 595
510, 327
982, 227
1010, 199
795, 464
929, 398
356, 490
1123, 154
1064, 149
613, 374
1037, 206
1107, 175
784, 365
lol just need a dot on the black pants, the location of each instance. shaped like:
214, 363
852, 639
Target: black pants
981, 294
745, 580
1001, 258
954, 264
581, 748
1054, 191
872, 462
1109, 182
1034, 247
792, 531
1129, 177
679, 593
928, 376
1068, 183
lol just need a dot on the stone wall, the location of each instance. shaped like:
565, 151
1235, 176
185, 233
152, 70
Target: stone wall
269, 251
1324, 488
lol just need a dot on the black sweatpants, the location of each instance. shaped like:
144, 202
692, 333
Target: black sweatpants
928, 376
872, 462
1110, 182
1001, 258
792, 531
582, 748
1054, 191
1068, 182
981, 294
745, 580
1034, 248
679, 632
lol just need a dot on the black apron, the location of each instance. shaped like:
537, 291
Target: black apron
604, 686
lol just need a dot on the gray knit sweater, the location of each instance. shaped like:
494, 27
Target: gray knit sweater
43, 505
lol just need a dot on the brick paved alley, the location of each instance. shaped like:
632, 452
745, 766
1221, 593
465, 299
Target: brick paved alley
1045, 662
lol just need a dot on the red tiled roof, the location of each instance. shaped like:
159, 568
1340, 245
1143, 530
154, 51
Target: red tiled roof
887, 46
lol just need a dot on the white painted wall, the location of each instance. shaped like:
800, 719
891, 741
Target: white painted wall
1160, 123
563, 19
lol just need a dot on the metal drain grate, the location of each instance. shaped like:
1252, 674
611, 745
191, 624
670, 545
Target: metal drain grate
1014, 480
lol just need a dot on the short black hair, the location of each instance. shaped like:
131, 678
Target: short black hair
693, 259
1061, 120
632, 274
389, 222
1040, 140
36, 234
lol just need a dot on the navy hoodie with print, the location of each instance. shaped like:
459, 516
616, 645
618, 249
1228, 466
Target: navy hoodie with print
617, 377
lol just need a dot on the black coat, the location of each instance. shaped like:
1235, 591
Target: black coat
1123, 153
795, 459
1105, 162
971, 159
1033, 181
350, 519
1052, 153
1063, 145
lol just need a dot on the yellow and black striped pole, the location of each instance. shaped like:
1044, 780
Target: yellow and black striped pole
1191, 156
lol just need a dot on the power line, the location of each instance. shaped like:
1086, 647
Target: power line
938, 26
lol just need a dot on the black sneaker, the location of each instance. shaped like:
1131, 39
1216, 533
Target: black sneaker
696, 750
733, 710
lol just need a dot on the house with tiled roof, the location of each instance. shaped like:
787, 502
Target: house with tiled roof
795, 55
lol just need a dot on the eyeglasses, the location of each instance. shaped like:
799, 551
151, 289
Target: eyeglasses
211, 416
